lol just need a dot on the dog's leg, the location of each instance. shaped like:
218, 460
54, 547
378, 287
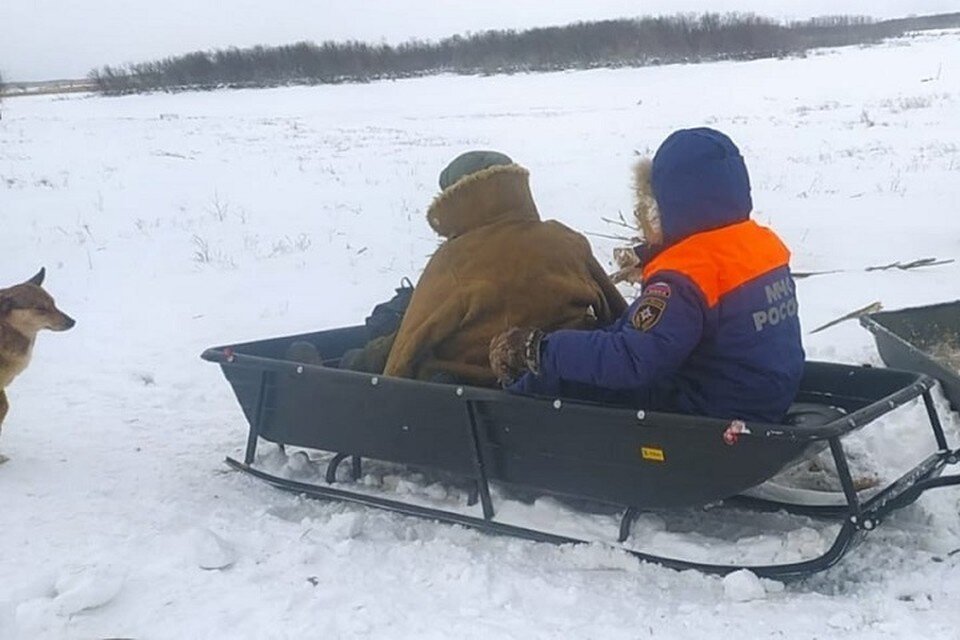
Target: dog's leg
4, 405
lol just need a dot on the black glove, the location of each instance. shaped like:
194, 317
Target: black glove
514, 352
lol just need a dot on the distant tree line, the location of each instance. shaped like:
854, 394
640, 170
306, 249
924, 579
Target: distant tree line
609, 43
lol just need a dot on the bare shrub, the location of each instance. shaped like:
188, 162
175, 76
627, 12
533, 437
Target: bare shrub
203, 254
909, 103
201, 251
285, 245
218, 208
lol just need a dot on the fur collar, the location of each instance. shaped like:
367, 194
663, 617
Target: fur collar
494, 194
645, 208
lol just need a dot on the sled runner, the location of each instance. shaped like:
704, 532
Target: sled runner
639, 461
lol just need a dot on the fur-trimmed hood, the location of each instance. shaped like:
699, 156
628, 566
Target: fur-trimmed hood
697, 181
645, 208
494, 194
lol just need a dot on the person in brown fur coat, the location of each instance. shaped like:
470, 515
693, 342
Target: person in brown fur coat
499, 266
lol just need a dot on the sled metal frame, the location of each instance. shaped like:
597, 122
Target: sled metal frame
857, 517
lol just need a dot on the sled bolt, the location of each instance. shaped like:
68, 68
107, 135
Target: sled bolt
557, 404
459, 391
869, 524
374, 380
641, 415
300, 369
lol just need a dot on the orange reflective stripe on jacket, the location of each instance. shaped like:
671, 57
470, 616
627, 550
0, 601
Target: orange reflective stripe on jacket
721, 260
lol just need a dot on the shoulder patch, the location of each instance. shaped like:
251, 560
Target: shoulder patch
661, 289
648, 312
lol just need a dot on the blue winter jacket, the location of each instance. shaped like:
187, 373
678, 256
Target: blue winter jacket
715, 330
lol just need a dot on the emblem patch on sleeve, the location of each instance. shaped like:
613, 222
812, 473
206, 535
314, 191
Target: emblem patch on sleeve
653, 302
661, 289
648, 312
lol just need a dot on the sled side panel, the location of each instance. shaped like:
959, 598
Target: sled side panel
612, 456
370, 416
246, 385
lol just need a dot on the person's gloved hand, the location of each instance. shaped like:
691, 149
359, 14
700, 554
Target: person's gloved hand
514, 352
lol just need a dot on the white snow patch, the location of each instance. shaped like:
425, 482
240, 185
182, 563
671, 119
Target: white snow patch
743, 586
210, 551
86, 588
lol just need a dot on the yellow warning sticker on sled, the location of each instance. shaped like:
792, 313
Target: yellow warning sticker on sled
651, 453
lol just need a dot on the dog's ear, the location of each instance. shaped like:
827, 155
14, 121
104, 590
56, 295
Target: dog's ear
38, 279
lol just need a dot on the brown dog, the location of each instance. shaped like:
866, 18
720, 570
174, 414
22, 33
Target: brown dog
25, 309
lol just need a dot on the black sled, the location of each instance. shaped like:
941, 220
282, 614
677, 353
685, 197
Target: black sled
636, 460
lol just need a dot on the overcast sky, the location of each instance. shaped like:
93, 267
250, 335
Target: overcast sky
49, 39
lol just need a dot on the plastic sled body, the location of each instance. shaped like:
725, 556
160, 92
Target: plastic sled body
633, 459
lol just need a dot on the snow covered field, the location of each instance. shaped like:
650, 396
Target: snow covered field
169, 223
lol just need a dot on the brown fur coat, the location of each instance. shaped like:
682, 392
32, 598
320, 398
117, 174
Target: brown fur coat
501, 266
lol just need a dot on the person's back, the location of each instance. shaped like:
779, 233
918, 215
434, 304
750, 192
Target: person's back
715, 331
500, 266
748, 361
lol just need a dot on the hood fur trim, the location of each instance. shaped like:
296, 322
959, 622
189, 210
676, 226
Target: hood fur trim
645, 208
494, 194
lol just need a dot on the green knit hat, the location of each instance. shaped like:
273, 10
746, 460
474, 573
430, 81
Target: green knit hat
471, 162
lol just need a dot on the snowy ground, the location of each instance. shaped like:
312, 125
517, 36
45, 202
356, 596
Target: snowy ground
169, 223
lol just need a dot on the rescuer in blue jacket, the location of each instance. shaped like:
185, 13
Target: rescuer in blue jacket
715, 331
